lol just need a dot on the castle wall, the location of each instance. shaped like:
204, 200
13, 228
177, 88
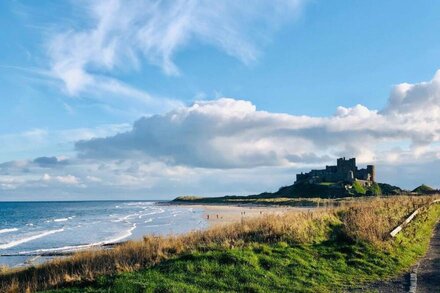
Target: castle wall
372, 170
345, 170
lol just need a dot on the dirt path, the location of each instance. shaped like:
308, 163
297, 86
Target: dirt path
428, 273
423, 277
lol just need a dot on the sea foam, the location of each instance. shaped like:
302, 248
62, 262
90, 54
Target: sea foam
27, 239
71, 248
8, 230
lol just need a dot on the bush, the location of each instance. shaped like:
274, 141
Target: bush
358, 188
374, 190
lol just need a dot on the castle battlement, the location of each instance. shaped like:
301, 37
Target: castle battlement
344, 171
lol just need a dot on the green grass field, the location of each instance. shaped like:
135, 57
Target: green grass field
334, 264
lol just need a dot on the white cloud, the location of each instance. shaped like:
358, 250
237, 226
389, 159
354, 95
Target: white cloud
416, 107
118, 34
68, 179
188, 149
228, 133
419, 98
65, 180
8, 182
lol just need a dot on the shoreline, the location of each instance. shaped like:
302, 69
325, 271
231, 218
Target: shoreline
222, 214
271, 245
215, 214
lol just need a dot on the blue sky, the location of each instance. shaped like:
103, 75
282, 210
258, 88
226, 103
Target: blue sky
75, 72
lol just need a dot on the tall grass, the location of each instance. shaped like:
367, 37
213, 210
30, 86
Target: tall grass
373, 220
368, 220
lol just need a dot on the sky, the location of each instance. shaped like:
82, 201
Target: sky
149, 99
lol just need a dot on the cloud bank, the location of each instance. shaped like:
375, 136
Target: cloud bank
228, 133
188, 149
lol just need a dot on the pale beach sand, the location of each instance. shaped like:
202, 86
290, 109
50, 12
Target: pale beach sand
225, 214
215, 215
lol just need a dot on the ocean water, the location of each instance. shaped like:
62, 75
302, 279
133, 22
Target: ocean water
31, 229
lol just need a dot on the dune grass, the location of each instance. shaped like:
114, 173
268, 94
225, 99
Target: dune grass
326, 250
255, 268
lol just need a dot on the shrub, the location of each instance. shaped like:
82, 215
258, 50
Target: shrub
358, 188
374, 190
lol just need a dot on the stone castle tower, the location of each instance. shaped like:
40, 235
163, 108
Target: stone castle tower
344, 171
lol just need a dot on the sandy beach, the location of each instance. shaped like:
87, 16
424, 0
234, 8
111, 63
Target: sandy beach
225, 214
212, 214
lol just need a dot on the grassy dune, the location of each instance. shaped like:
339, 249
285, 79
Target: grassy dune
323, 251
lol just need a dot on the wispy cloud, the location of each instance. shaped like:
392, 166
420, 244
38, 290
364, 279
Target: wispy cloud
119, 34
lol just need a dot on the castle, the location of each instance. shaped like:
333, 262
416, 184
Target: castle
345, 171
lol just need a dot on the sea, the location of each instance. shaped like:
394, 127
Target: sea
32, 232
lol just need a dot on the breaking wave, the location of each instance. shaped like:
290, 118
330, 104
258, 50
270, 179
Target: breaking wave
30, 238
8, 230
71, 248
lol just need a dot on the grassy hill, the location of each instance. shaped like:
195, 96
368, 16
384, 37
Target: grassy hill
321, 251
304, 193
424, 189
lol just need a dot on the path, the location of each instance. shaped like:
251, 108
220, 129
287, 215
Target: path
427, 272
